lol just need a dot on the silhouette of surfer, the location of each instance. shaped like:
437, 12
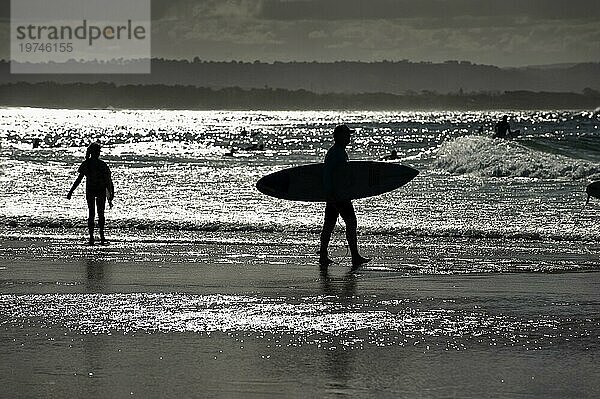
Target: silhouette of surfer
502, 129
335, 160
98, 188
392, 156
592, 190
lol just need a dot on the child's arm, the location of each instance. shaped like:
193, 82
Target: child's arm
110, 190
75, 184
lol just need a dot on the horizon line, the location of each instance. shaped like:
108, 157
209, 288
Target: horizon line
196, 59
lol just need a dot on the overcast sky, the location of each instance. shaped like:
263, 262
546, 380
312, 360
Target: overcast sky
499, 32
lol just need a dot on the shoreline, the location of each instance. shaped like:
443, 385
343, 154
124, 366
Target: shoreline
398, 255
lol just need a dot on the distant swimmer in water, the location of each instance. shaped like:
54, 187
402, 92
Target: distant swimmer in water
98, 188
255, 147
392, 156
36, 143
245, 132
337, 158
503, 129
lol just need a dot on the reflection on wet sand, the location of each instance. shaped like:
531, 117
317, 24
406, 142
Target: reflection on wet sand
96, 274
95, 350
339, 359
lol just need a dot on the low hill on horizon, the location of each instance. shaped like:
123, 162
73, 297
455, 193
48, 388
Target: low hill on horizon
111, 96
399, 77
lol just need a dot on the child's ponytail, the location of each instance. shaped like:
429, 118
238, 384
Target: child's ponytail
93, 149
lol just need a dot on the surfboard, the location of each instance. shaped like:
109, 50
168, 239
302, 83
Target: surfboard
593, 190
358, 179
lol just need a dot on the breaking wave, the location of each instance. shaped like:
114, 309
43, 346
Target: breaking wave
488, 157
162, 230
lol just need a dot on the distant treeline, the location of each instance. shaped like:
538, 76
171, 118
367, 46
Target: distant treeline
108, 95
341, 77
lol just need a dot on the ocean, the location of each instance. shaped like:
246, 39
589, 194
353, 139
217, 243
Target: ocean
174, 182
483, 281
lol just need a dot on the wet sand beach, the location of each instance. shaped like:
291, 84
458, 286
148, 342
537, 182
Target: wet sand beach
242, 319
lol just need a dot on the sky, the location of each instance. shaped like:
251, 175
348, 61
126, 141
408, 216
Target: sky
497, 32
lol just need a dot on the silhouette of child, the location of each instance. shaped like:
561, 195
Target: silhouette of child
98, 188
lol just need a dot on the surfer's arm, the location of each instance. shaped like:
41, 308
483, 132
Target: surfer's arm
335, 160
75, 184
328, 181
335, 179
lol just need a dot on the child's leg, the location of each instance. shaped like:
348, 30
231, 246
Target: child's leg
91, 215
101, 205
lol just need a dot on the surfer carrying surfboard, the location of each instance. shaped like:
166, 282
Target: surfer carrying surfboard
335, 161
98, 188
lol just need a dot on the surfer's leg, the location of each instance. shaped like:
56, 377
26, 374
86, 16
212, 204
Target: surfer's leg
89, 196
101, 205
331, 215
346, 210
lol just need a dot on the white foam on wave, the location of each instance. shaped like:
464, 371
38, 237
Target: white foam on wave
488, 157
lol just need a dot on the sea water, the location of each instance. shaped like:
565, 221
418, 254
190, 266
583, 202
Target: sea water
174, 179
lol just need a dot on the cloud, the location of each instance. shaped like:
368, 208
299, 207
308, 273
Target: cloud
317, 34
205, 9
238, 29
502, 32
392, 9
230, 32
519, 45
4, 11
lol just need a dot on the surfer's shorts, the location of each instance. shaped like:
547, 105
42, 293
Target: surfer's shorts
345, 209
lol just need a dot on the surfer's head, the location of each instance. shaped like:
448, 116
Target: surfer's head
341, 135
93, 151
